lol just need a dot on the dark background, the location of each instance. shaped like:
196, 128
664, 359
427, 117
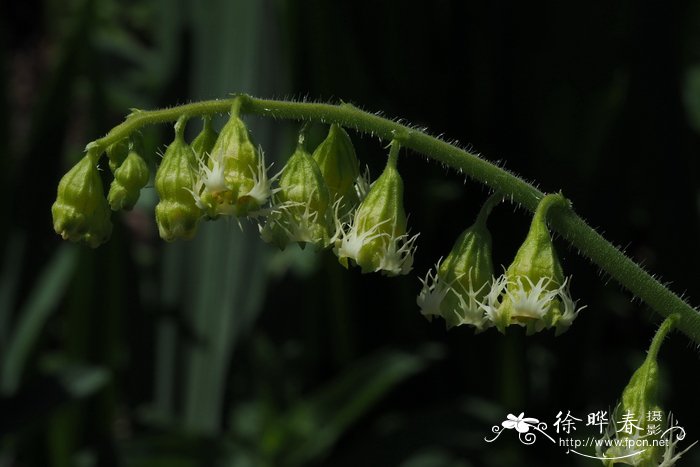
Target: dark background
224, 351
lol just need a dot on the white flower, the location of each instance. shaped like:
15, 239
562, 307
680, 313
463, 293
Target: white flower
372, 249
293, 222
468, 309
432, 294
214, 193
536, 305
262, 187
397, 259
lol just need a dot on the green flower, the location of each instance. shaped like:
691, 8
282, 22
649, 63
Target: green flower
177, 213
80, 211
339, 166
233, 179
376, 238
129, 178
460, 283
533, 291
301, 212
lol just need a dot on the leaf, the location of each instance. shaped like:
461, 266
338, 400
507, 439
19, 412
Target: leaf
41, 303
314, 425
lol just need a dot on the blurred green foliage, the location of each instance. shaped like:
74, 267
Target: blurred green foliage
223, 351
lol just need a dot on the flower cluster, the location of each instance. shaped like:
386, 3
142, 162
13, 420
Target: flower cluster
532, 292
319, 199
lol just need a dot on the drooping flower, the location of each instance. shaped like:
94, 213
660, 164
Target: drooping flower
204, 142
533, 291
301, 212
375, 238
457, 289
340, 168
232, 178
129, 178
177, 213
80, 211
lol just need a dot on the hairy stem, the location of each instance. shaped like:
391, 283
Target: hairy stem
660, 335
564, 221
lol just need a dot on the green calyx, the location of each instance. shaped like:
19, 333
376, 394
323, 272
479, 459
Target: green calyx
536, 258
378, 226
204, 142
339, 166
129, 178
234, 162
302, 211
117, 153
177, 214
383, 207
467, 272
535, 282
640, 398
80, 211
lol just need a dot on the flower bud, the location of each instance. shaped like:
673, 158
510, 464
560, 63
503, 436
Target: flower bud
233, 181
177, 214
376, 238
129, 178
458, 287
302, 205
339, 166
116, 153
203, 143
533, 291
80, 211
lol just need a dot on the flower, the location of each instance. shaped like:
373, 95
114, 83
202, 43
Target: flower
339, 166
231, 178
375, 238
129, 178
177, 213
80, 211
459, 285
204, 142
214, 194
533, 292
301, 211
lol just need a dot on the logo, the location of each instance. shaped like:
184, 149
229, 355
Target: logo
621, 436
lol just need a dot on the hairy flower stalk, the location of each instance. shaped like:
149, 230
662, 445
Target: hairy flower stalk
533, 292
459, 285
376, 239
564, 221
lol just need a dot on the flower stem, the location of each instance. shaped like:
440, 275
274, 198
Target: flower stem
660, 335
564, 221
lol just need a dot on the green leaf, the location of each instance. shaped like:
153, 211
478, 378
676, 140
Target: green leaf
314, 425
41, 303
